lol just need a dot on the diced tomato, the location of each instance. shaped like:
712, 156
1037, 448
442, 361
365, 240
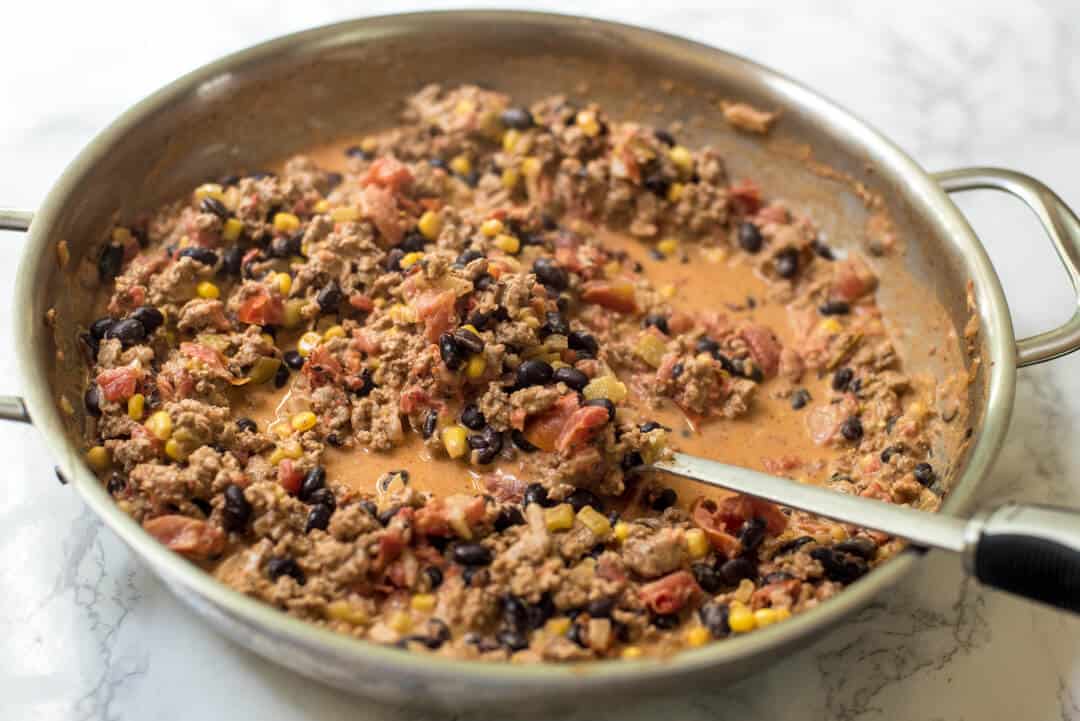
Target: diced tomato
745, 196
670, 593
322, 367
436, 309
579, 428
187, 536
772, 213
852, 279
609, 569
289, 476
361, 302
616, 295
765, 595
708, 520
262, 308
442, 516
205, 353
118, 384
413, 398
544, 430
388, 172
367, 342
391, 544
764, 347
379, 205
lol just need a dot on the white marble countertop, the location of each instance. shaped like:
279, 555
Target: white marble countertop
89, 634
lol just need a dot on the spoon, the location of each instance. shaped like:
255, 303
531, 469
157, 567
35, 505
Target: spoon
1028, 550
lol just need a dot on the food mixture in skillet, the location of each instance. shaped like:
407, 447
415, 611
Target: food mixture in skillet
408, 389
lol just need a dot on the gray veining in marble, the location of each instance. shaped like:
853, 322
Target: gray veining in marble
88, 634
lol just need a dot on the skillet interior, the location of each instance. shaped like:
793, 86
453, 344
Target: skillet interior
284, 96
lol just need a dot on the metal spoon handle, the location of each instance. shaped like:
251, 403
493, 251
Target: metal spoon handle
1031, 551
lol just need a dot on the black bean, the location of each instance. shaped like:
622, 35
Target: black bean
574, 379
509, 516
468, 341
413, 242
110, 262
150, 317
705, 344
582, 497
714, 616
657, 184
431, 422
278, 567
665, 621
787, 263
840, 567
924, 473
534, 372
550, 274
434, 576
631, 460
472, 554
521, 442
201, 255
794, 545
472, 178
318, 518
322, 497
536, 493
707, 576
472, 418
370, 507
330, 297
577, 634
393, 259
513, 640
583, 342
736, 569
800, 398
891, 451
281, 376
834, 307
851, 429
660, 322
605, 404
117, 483
649, 426
677, 369
484, 281
860, 546
333, 180
438, 633
285, 246
600, 607
841, 378
313, 481
776, 577
488, 443
100, 327
467, 257
232, 260
355, 151
92, 400
750, 238
752, 534
214, 207
822, 250
554, 324
517, 118
387, 515
664, 499
246, 424
449, 352
664, 137
293, 359
128, 331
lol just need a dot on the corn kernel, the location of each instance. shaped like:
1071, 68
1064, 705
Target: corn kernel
303, 421
510, 139
277, 456
430, 224
831, 326
559, 518
209, 190
744, 591
423, 602
344, 215
411, 259
476, 367
293, 450
286, 222
135, 406
461, 164
322, 206
464, 107
283, 283
764, 617
594, 521
783, 613
557, 626
675, 192
175, 450
334, 331
455, 440
586, 120
608, 387
369, 145
740, 619
160, 425
682, 159
121, 235
622, 531
308, 342
508, 244
697, 636
347, 612
631, 652
403, 314
668, 246
400, 622
839, 533
510, 178
230, 233
696, 543
531, 166
714, 255
650, 348
208, 290
98, 458
668, 290
491, 227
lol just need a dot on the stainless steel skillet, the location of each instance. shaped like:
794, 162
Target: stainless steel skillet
285, 95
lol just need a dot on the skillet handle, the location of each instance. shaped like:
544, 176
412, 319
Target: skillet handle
1059, 222
12, 408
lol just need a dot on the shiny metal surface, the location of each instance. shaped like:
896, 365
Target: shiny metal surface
1063, 227
348, 78
11, 219
924, 529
